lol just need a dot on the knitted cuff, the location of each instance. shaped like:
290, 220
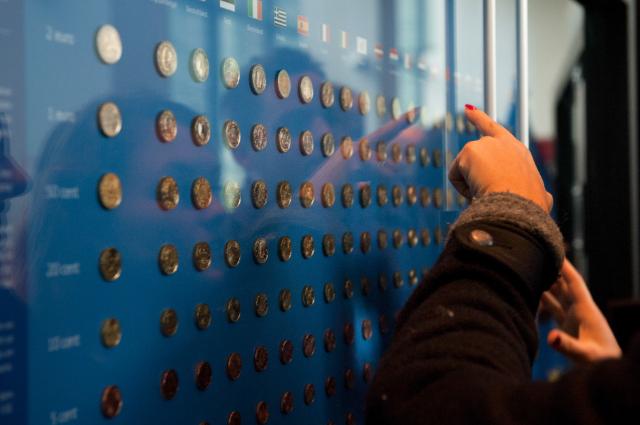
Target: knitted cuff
516, 210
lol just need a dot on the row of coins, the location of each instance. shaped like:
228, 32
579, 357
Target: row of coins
111, 331
110, 260
110, 194
112, 400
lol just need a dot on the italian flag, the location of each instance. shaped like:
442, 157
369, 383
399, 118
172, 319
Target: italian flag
255, 9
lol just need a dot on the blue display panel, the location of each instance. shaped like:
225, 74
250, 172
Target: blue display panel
80, 343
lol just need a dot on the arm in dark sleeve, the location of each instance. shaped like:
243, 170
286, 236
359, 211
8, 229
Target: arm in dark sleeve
466, 339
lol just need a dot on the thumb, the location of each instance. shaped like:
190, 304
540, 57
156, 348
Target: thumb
567, 345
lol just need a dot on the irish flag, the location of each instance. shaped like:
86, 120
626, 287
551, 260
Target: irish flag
255, 9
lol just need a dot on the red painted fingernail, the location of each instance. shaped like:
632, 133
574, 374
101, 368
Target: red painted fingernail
470, 107
556, 342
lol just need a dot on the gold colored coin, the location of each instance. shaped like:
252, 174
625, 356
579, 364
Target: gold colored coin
425, 159
365, 195
110, 191
233, 310
201, 256
347, 242
412, 195
365, 242
166, 126
346, 98
168, 194
308, 248
413, 277
308, 296
396, 152
307, 196
111, 333
285, 300
328, 245
397, 279
285, 194
110, 264
412, 238
329, 292
381, 106
200, 130
168, 259
260, 251
348, 289
411, 153
259, 194
425, 237
383, 196
381, 151
201, 193
425, 197
383, 240
398, 239
328, 195
437, 197
365, 149
284, 248
396, 194
232, 253
261, 305
347, 195
202, 316
168, 322
346, 147
364, 103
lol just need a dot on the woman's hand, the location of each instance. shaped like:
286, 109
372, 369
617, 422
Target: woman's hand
497, 162
583, 334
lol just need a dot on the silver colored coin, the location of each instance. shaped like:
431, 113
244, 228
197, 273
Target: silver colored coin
108, 44
201, 130
258, 79
283, 84
364, 103
201, 256
168, 194
396, 108
285, 194
169, 322
381, 106
307, 196
166, 59
308, 246
346, 98
166, 126
110, 264
232, 253
109, 119
305, 89
365, 149
346, 147
231, 134
327, 94
168, 259
328, 144
202, 316
259, 194
232, 195
285, 248
110, 191
201, 193
261, 305
199, 65
230, 73
283, 139
260, 251
259, 137
306, 143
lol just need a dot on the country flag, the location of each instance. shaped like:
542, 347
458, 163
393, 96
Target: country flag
361, 45
255, 9
326, 35
408, 61
393, 54
379, 51
279, 17
303, 25
343, 40
228, 5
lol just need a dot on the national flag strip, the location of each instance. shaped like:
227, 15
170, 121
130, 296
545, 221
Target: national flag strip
326, 35
255, 9
361, 45
343, 40
279, 17
303, 25
378, 51
408, 61
229, 5
393, 54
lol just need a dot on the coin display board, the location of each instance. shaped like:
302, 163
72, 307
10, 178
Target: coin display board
213, 211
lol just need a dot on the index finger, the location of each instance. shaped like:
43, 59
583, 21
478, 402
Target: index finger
484, 123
